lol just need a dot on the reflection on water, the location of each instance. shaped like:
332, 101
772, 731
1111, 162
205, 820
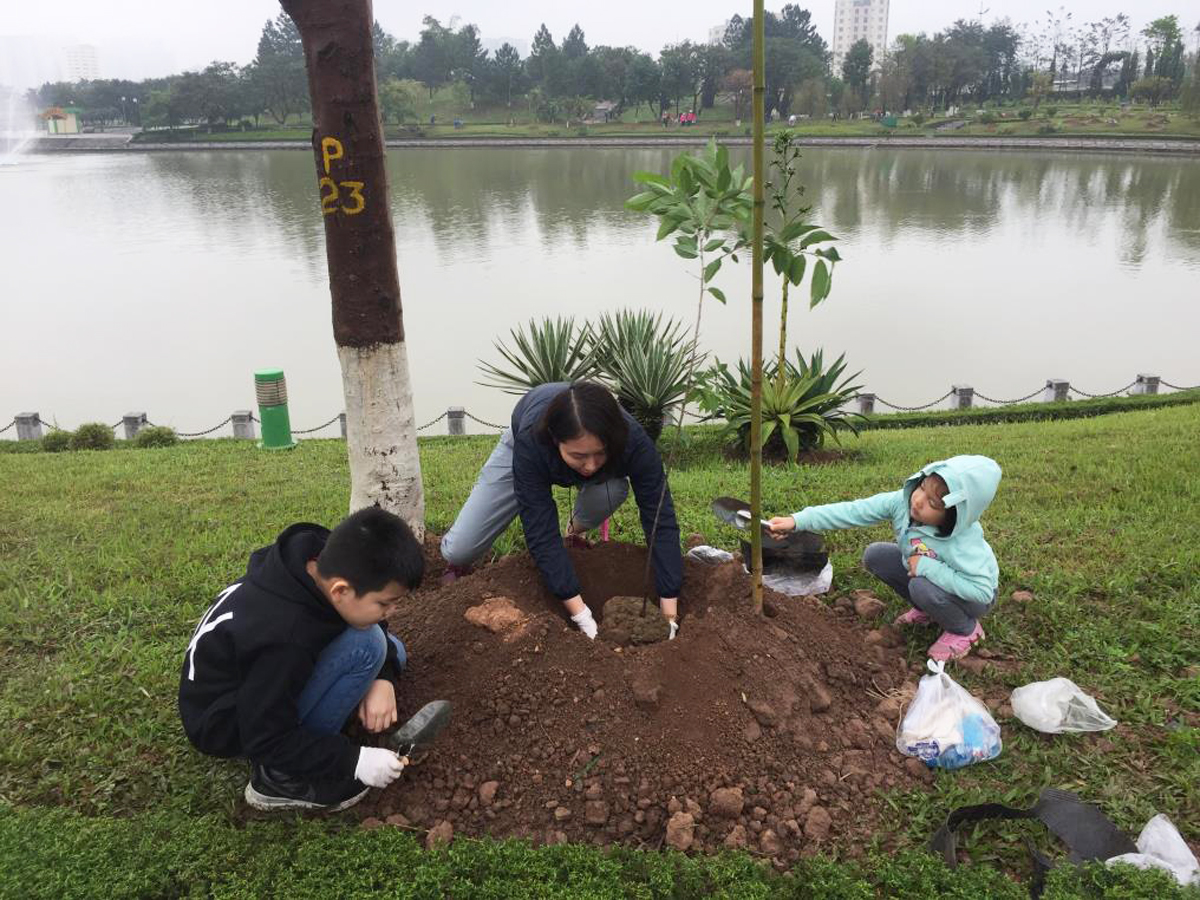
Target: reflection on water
161, 281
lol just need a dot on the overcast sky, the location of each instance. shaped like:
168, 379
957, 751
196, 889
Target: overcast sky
143, 38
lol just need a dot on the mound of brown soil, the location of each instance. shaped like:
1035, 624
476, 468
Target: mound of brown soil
771, 733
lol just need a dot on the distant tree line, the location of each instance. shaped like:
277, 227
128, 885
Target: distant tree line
967, 62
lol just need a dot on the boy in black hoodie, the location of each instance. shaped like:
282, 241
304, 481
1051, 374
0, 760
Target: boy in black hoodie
285, 655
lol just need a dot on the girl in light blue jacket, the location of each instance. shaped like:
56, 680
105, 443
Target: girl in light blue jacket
940, 562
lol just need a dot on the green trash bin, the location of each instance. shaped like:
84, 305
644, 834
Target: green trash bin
270, 388
889, 121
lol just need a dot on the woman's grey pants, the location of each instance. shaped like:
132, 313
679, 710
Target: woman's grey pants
954, 614
493, 505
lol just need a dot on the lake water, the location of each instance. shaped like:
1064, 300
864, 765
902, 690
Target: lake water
161, 281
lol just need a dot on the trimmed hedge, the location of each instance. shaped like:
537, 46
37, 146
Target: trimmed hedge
1028, 412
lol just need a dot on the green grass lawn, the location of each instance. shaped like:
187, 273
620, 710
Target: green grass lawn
107, 560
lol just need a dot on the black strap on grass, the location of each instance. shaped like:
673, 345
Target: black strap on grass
1087, 832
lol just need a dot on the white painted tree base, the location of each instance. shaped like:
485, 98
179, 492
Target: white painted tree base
381, 435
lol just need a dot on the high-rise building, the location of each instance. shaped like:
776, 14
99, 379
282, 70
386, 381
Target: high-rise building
82, 63
855, 20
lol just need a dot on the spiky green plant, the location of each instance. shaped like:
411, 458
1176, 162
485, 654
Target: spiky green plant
646, 361
543, 352
800, 411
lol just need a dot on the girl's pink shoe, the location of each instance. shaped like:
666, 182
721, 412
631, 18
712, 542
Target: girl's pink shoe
955, 646
912, 617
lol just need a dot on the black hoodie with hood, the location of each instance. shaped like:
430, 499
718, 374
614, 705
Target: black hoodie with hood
251, 656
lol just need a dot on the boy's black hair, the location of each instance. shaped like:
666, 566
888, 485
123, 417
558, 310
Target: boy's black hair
371, 548
586, 406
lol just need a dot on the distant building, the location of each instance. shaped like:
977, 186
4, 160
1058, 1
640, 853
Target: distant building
716, 34
82, 64
855, 20
61, 120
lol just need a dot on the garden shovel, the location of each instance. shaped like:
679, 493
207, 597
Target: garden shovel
417, 734
736, 513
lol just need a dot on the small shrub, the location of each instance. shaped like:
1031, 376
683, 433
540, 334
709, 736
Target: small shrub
1025, 114
918, 118
1051, 112
987, 119
93, 436
57, 441
581, 131
156, 436
1006, 130
748, 132
552, 133
1047, 129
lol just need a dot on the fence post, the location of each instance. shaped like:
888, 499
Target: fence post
962, 396
456, 421
134, 422
1056, 390
342, 423
1145, 384
866, 404
243, 424
29, 426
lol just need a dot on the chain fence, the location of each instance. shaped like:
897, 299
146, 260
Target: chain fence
687, 412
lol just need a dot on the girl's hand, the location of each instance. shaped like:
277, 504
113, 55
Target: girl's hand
913, 561
781, 525
377, 709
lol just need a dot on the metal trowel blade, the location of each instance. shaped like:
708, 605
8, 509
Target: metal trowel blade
419, 732
727, 509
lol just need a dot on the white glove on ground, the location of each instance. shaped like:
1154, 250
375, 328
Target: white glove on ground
586, 623
377, 767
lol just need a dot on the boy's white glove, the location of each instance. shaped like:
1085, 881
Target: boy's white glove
377, 767
586, 623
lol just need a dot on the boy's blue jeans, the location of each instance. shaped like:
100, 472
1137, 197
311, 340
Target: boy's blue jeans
344, 671
956, 615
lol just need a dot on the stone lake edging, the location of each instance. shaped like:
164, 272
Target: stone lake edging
1174, 147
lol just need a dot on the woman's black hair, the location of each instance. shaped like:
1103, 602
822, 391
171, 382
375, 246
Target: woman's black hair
586, 406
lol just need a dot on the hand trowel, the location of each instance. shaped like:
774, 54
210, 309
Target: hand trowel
418, 733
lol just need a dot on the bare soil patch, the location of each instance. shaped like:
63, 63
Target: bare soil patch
774, 733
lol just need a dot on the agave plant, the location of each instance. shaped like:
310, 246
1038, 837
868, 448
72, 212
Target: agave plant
543, 352
647, 362
800, 410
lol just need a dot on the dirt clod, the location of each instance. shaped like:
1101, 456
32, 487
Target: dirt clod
681, 831
441, 833
631, 620
726, 803
495, 614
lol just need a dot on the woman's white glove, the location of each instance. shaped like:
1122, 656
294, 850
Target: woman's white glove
377, 767
672, 630
586, 623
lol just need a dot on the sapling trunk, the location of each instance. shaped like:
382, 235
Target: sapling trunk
756, 308
779, 375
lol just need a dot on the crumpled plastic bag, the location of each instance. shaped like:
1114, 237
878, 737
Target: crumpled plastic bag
946, 727
712, 555
798, 584
1057, 706
1161, 846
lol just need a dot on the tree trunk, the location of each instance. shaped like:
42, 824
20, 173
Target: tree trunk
756, 307
381, 437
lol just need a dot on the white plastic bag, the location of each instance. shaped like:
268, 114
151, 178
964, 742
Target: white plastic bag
945, 727
798, 584
1058, 705
1161, 846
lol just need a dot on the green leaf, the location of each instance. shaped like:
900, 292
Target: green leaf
796, 270
667, 226
684, 252
794, 229
641, 201
830, 253
718, 293
780, 259
711, 269
651, 178
819, 289
714, 244
816, 237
